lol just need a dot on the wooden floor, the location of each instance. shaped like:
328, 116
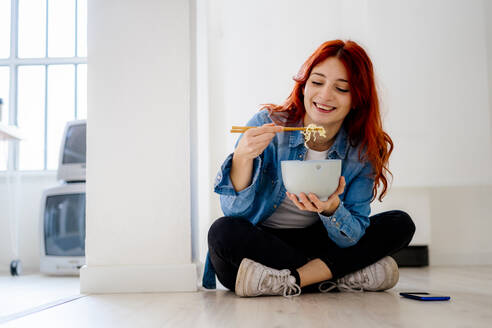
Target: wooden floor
470, 289
33, 290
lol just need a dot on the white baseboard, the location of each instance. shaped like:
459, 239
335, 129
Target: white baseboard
445, 258
138, 278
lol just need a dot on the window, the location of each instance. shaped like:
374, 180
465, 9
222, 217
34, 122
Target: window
43, 76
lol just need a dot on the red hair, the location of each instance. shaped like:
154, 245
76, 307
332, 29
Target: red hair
363, 122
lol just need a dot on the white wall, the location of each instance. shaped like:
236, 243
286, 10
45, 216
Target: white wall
431, 63
461, 225
488, 35
138, 153
430, 60
200, 133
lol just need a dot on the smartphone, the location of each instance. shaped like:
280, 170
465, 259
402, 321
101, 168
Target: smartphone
422, 296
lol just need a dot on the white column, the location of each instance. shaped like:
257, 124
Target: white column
138, 180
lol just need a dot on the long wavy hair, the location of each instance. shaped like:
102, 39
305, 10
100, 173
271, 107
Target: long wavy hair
363, 122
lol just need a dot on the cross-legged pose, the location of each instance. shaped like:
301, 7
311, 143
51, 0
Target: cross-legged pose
272, 242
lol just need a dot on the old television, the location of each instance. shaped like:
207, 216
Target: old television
71, 163
62, 229
62, 218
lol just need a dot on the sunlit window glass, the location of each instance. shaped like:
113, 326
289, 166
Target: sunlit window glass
30, 117
61, 28
47, 74
4, 28
82, 28
81, 91
61, 107
32, 28
4, 153
4, 93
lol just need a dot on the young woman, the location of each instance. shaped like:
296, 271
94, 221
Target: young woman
271, 242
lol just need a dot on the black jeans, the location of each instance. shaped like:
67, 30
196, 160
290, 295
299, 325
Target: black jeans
232, 239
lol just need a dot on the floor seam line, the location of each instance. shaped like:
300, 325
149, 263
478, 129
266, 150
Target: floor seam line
40, 308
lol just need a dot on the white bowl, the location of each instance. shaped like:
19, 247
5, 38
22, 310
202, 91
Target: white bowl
319, 177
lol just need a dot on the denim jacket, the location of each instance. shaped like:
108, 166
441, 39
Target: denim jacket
266, 192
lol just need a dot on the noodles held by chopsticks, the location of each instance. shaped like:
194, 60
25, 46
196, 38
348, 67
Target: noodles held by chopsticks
311, 130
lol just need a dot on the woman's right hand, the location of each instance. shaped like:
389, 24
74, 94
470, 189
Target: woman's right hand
254, 141
251, 145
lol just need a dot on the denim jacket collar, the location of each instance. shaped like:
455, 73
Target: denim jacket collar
340, 146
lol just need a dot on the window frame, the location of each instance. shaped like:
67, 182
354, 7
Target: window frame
13, 62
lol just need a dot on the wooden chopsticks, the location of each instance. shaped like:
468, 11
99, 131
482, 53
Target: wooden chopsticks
242, 129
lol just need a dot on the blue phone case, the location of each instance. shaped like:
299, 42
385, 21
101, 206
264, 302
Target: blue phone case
421, 296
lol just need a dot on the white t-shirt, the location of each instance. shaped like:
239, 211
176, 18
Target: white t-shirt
287, 215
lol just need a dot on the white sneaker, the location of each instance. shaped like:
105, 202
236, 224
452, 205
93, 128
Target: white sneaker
379, 276
255, 279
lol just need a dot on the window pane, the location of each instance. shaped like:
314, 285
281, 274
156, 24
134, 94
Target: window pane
82, 92
30, 117
82, 28
32, 28
4, 28
4, 155
61, 107
4, 93
61, 28
4, 109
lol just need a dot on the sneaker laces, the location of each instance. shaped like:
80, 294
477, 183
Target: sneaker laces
352, 283
278, 281
329, 286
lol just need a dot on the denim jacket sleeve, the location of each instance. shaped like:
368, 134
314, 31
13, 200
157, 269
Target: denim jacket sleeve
235, 203
349, 222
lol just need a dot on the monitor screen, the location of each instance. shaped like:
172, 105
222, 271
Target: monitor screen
75, 145
64, 225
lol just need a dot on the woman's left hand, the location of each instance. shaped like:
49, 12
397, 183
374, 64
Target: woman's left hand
312, 203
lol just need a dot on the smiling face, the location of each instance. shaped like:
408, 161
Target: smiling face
327, 98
